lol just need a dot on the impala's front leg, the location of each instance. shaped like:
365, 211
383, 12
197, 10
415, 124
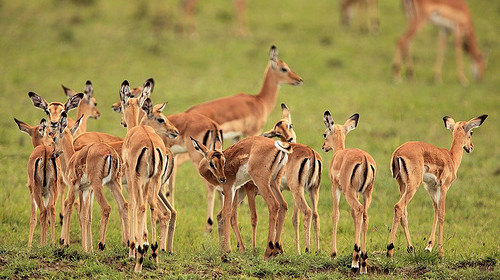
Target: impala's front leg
226, 218
442, 210
238, 198
432, 237
210, 207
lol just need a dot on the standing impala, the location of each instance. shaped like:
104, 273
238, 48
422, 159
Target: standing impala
257, 159
146, 160
451, 16
242, 114
352, 172
302, 172
42, 184
86, 171
414, 163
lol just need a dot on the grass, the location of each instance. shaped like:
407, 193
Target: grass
49, 42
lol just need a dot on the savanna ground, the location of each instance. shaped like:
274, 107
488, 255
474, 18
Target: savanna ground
46, 43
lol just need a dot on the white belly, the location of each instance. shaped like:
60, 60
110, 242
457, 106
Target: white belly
441, 21
432, 186
242, 177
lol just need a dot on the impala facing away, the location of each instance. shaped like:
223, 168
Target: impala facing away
257, 159
86, 171
352, 172
451, 16
302, 172
146, 161
243, 115
414, 163
367, 11
42, 183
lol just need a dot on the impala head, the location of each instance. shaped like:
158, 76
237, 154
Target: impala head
88, 105
38, 133
335, 133
214, 159
280, 70
463, 130
157, 120
55, 109
61, 132
283, 128
130, 105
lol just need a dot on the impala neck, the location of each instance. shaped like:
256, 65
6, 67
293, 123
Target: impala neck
339, 142
83, 124
457, 149
269, 91
472, 47
67, 149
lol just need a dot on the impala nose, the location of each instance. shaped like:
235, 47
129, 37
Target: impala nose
222, 180
53, 124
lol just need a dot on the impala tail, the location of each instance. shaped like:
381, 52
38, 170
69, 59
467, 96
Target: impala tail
399, 168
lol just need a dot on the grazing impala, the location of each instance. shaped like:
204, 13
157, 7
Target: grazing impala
367, 10
257, 159
451, 16
87, 107
352, 172
242, 114
414, 163
42, 184
302, 172
189, 125
146, 159
189, 7
86, 171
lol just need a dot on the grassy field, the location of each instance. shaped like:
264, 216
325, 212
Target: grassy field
48, 42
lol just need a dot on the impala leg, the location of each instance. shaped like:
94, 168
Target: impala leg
283, 208
240, 7
33, 219
105, 211
441, 213
357, 211
153, 201
43, 224
346, 12
89, 222
141, 235
301, 204
403, 50
61, 188
116, 189
52, 221
459, 56
367, 198
68, 207
238, 198
251, 191
273, 208
171, 223
434, 225
335, 218
226, 218
132, 185
373, 10
210, 207
314, 194
443, 34
84, 211
295, 223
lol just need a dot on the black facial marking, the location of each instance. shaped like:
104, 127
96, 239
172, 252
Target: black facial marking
390, 246
271, 245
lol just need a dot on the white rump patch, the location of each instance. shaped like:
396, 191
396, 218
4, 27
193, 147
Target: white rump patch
107, 179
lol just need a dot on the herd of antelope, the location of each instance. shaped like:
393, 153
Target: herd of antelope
147, 159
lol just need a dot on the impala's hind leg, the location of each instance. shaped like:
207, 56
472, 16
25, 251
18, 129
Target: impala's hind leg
367, 198
33, 219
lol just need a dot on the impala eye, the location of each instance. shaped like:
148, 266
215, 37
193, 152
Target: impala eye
290, 126
95, 104
471, 133
324, 135
283, 69
161, 120
212, 165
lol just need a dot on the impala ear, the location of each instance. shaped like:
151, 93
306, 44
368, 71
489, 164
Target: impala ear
269, 134
24, 127
88, 90
285, 112
328, 120
351, 123
151, 82
475, 122
449, 122
69, 92
124, 92
218, 143
273, 56
160, 107
147, 88
37, 100
63, 122
147, 106
76, 126
200, 148
117, 107
73, 102
42, 127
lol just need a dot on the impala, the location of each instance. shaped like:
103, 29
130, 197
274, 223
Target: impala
146, 160
451, 16
242, 114
257, 159
367, 10
87, 107
352, 172
86, 171
302, 172
414, 163
42, 184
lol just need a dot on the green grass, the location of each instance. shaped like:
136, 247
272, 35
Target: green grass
49, 42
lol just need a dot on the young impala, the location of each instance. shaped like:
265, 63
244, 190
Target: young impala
146, 161
451, 16
42, 184
352, 172
257, 159
367, 10
242, 114
414, 163
302, 172
86, 171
